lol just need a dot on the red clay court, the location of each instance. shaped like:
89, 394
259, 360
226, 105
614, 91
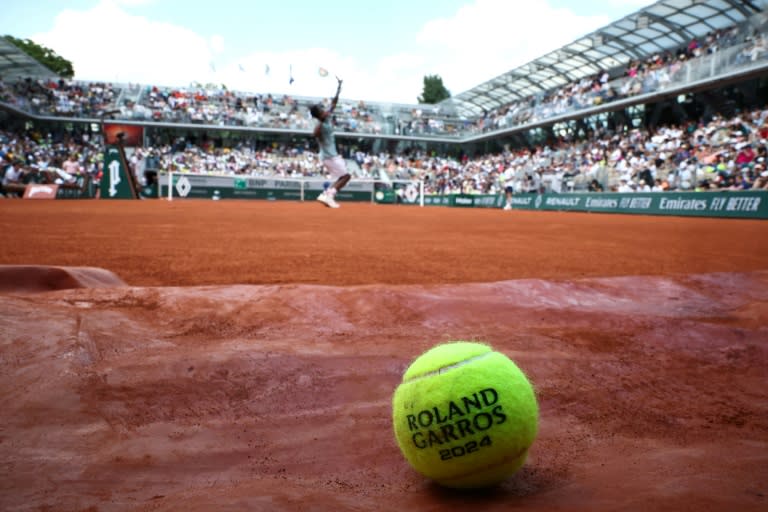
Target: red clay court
242, 355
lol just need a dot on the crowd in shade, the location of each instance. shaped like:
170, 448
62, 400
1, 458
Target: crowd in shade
722, 154
731, 48
32, 157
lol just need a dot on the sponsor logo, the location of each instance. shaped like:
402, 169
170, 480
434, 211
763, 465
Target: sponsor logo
287, 184
636, 203
678, 203
114, 177
485, 201
736, 204
40, 191
563, 201
183, 186
522, 201
593, 202
411, 194
465, 416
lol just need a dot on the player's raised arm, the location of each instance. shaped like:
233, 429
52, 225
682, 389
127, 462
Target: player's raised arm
336, 97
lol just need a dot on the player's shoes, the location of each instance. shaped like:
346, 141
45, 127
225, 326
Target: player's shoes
327, 201
507, 207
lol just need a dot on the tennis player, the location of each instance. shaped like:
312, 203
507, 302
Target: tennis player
326, 141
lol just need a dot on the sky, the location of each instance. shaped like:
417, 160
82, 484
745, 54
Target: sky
382, 50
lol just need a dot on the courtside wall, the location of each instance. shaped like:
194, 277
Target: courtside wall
740, 204
737, 204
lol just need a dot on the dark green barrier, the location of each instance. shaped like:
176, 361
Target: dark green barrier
465, 200
738, 204
742, 204
385, 196
438, 200
83, 188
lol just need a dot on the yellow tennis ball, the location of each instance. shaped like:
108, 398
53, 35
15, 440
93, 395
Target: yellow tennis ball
465, 415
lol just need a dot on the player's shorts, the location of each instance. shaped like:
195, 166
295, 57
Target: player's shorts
336, 166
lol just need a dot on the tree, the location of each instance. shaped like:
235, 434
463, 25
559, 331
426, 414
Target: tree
434, 90
44, 56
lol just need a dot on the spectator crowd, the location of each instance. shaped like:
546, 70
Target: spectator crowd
722, 154
31, 157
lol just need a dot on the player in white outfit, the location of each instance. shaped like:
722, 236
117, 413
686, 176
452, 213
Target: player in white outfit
326, 140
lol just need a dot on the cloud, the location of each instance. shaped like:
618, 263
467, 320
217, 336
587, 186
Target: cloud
486, 38
479, 41
217, 44
106, 43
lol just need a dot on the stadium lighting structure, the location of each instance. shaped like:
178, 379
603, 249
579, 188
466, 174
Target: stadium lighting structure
642, 22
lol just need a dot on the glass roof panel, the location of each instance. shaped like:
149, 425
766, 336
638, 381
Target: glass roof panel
14, 63
663, 25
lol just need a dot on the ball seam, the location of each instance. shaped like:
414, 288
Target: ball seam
489, 467
448, 368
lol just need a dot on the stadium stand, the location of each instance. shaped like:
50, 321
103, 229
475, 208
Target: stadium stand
725, 153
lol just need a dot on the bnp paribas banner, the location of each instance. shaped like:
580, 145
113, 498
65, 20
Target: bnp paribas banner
246, 187
743, 204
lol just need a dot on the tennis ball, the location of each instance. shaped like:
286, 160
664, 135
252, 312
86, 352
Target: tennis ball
464, 415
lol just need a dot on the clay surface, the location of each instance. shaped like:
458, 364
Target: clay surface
212, 356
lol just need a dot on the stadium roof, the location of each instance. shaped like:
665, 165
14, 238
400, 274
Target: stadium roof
664, 25
14, 63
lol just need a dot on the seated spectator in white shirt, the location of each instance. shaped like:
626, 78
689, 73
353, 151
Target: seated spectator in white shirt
686, 178
624, 186
642, 186
63, 177
12, 176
